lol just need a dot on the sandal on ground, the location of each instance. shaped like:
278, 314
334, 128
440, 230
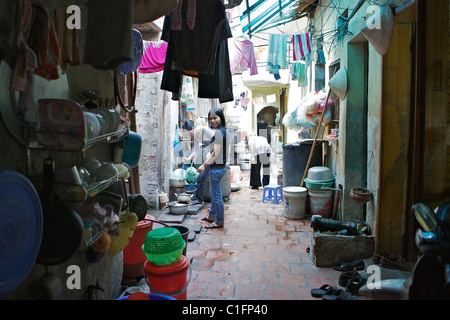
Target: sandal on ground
193, 203
357, 264
206, 219
340, 294
214, 226
347, 275
325, 289
354, 284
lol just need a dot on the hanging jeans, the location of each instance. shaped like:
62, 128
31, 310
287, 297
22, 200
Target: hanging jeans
217, 210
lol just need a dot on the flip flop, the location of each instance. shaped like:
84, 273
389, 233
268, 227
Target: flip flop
206, 219
325, 289
340, 294
357, 264
347, 275
213, 226
193, 203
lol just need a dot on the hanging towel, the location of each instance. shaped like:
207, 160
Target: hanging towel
154, 57
42, 40
68, 41
108, 34
242, 54
277, 53
301, 44
190, 15
298, 72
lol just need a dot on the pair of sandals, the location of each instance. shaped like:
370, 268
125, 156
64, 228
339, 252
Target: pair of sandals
212, 224
352, 281
327, 292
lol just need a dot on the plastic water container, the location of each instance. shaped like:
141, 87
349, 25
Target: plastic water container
320, 203
294, 202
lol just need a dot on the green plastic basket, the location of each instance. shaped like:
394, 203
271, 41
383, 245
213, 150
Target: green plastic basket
163, 246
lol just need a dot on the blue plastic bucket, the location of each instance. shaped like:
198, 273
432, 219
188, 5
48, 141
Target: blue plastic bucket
132, 150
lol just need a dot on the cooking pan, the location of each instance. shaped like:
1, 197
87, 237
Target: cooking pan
63, 227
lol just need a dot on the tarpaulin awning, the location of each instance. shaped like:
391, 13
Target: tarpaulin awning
259, 15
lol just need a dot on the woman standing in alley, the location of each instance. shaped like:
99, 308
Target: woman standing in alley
260, 151
216, 160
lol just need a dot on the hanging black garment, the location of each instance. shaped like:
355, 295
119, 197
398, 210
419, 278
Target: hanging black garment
186, 47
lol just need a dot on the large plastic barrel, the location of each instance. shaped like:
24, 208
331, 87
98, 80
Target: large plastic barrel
295, 158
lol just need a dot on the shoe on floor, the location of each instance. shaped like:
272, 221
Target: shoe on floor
214, 226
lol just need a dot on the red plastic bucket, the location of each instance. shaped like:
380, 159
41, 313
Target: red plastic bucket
171, 280
133, 257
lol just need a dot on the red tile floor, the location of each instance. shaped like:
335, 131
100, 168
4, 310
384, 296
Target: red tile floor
259, 254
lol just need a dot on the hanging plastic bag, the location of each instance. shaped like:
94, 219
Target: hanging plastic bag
191, 175
290, 120
304, 119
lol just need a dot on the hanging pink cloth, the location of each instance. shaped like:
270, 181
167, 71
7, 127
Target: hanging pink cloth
190, 15
242, 54
154, 57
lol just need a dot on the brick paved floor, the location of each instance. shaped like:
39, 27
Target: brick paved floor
259, 254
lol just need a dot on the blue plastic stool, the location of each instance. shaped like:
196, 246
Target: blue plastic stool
273, 195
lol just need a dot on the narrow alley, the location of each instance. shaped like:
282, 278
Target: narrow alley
259, 254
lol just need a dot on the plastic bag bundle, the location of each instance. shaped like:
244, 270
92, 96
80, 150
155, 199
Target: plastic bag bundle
192, 174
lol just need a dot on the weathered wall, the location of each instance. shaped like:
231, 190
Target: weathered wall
347, 158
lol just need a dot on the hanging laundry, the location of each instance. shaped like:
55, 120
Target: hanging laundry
277, 54
320, 57
108, 34
68, 41
42, 40
242, 54
298, 72
301, 44
154, 57
190, 15
201, 52
187, 93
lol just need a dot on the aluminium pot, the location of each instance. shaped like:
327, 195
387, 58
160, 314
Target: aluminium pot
178, 208
184, 197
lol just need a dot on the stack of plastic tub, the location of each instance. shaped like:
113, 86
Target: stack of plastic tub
166, 267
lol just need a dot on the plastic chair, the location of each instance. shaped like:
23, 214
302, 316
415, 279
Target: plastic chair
273, 194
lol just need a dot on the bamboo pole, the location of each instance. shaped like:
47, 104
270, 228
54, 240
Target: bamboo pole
315, 138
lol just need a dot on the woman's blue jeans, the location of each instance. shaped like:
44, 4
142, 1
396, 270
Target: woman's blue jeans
217, 210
